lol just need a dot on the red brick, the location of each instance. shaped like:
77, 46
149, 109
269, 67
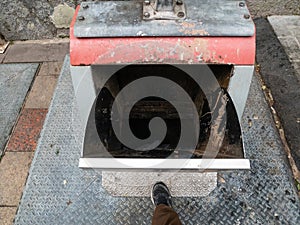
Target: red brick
27, 131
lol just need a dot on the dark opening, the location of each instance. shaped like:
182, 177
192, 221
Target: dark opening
150, 107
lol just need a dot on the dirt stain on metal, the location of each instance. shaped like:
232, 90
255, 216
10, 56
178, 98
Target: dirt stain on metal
189, 29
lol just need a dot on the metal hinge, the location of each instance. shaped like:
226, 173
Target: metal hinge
164, 10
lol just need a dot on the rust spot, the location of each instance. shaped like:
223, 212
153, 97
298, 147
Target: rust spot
194, 32
188, 29
188, 25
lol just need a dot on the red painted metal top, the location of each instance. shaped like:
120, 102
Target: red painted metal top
183, 50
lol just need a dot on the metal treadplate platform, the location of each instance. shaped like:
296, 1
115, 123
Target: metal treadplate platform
125, 18
58, 192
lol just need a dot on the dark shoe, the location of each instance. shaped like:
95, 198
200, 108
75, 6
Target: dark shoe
160, 194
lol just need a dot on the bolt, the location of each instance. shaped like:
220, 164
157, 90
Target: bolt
85, 6
179, 2
80, 18
180, 14
247, 16
242, 4
146, 15
147, 2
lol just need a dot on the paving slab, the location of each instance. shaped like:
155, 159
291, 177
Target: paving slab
7, 215
287, 30
2, 56
297, 67
36, 52
297, 33
14, 169
291, 47
50, 68
27, 131
280, 76
15, 80
58, 192
41, 92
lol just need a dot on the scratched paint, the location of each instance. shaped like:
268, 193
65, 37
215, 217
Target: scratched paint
186, 50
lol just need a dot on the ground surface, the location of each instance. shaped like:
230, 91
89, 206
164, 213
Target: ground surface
58, 192
26, 90
264, 8
277, 66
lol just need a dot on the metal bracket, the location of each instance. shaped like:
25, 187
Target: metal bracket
164, 10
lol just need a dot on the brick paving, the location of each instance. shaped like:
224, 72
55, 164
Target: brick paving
27, 131
14, 168
41, 92
7, 214
19, 151
2, 56
37, 52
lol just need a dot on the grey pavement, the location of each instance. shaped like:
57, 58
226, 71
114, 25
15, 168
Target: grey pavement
15, 81
287, 29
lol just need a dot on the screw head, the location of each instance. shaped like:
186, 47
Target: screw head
147, 2
180, 14
146, 15
247, 16
80, 18
242, 4
179, 2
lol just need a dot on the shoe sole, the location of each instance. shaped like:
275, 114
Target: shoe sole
151, 194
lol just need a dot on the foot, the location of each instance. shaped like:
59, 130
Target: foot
160, 194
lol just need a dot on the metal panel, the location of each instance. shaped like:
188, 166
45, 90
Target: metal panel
238, 88
139, 184
189, 50
124, 18
169, 164
100, 74
84, 89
